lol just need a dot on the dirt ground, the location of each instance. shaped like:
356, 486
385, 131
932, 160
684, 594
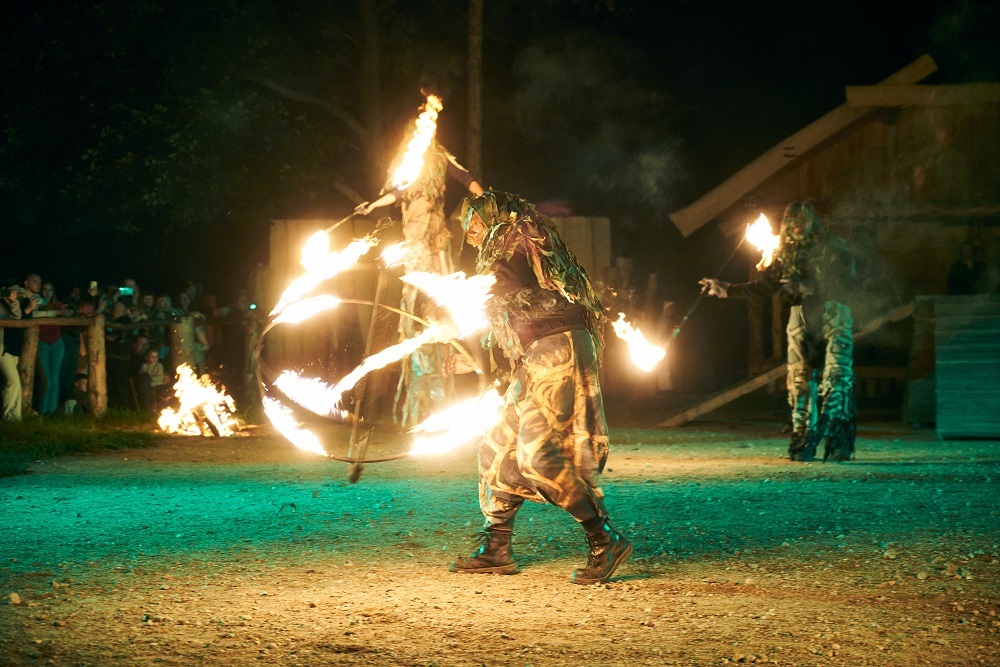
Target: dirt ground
245, 551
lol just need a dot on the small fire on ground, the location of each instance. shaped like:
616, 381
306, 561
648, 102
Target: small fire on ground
204, 410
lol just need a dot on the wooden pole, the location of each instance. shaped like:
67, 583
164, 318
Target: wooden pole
474, 138
26, 367
182, 342
97, 371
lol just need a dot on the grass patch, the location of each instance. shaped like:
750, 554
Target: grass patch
56, 435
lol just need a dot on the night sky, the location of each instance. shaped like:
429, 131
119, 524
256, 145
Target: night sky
159, 140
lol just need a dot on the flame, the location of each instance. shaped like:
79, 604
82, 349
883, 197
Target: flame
394, 254
203, 410
283, 420
464, 298
302, 310
759, 234
644, 354
321, 264
311, 393
458, 424
413, 159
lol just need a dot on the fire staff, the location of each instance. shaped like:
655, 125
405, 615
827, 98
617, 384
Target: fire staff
552, 441
815, 272
429, 249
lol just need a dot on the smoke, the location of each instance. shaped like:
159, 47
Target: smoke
580, 101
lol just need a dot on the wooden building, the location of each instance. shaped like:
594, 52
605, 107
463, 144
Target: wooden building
905, 172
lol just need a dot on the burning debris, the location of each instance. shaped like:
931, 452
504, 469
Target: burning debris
204, 410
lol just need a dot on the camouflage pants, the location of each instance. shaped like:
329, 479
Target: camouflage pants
816, 401
552, 443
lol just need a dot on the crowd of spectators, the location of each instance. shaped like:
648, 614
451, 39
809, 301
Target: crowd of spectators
140, 363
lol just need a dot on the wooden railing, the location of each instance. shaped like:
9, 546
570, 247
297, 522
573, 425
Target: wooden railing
181, 335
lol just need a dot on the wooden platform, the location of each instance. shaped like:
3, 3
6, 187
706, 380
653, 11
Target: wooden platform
967, 366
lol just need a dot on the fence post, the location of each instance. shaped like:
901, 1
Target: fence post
26, 367
181, 343
97, 372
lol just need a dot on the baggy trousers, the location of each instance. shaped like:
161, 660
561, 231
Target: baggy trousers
833, 393
552, 442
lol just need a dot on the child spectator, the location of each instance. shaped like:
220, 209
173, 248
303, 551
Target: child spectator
78, 402
151, 380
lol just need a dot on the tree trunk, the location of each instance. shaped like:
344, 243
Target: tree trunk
474, 137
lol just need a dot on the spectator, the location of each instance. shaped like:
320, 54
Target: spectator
237, 320
183, 303
119, 351
199, 351
129, 293
51, 348
16, 304
966, 275
78, 402
151, 380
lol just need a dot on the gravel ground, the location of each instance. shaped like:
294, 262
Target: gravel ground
245, 551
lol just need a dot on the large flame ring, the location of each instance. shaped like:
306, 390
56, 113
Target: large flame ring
266, 376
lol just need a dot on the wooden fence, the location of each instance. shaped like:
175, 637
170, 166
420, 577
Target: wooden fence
181, 338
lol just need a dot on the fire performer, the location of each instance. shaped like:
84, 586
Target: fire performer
429, 250
814, 270
551, 443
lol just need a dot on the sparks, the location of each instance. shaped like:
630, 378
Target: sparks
760, 236
413, 159
644, 354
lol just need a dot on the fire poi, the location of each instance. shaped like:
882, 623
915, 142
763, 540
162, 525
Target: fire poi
759, 235
644, 354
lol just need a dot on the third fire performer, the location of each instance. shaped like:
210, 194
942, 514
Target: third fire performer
815, 272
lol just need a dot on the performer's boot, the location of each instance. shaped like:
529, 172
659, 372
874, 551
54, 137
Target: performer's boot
802, 446
608, 550
838, 441
494, 556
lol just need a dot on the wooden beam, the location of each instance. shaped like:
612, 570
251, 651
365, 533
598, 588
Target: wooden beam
731, 394
913, 95
730, 191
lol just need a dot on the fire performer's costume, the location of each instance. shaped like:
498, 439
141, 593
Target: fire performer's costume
552, 442
814, 270
422, 384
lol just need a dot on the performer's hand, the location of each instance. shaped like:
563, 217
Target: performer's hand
364, 208
713, 287
457, 364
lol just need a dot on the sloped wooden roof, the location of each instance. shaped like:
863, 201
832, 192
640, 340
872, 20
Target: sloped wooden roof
700, 212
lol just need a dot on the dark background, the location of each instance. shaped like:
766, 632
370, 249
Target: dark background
158, 140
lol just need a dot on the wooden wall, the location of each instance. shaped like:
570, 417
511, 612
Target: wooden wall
907, 186
590, 241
